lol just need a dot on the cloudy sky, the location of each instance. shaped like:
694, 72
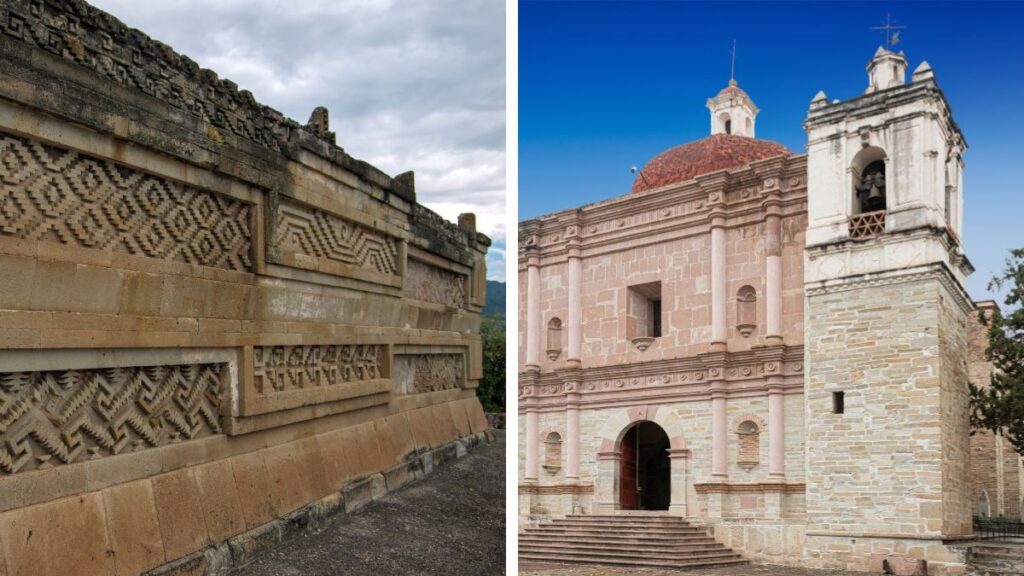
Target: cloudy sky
409, 85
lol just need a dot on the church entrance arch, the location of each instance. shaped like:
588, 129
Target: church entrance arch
644, 468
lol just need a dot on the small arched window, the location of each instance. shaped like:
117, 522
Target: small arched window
553, 452
554, 338
749, 434
726, 122
746, 310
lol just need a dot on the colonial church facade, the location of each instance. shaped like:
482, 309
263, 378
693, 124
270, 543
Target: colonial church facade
768, 343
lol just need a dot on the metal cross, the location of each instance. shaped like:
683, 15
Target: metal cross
890, 38
732, 68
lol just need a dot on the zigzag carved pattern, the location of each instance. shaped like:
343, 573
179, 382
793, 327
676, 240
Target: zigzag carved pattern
61, 417
280, 368
54, 194
316, 233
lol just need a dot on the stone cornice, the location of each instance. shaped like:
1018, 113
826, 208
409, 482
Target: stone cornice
936, 271
556, 489
755, 488
739, 194
747, 373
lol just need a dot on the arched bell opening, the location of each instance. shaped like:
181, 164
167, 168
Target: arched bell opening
644, 468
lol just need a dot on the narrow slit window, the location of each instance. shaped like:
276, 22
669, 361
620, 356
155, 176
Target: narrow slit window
838, 402
656, 318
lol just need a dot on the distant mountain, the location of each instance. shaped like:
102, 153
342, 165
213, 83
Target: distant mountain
495, 299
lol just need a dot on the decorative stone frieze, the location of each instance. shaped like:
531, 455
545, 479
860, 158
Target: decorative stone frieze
52, 194
432, 284
52, 418
315, 240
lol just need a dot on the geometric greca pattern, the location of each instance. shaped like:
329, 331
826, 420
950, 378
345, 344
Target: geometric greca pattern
284, 368
61, 417
58, 195
316, 233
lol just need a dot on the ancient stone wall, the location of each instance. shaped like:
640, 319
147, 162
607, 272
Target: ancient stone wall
211, 316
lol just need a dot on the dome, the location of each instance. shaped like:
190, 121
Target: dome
716, 152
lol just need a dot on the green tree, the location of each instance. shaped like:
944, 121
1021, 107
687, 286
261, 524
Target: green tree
492, 387
1000, 406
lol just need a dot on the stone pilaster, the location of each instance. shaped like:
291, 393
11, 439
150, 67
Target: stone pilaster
533, 320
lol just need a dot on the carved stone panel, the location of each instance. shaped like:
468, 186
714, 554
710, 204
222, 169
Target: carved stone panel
282, 368
417, 373
54, 194
287, 377
60, 417
315, 240
433, 284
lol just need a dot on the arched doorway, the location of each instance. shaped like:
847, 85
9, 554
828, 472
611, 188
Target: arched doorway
644, 468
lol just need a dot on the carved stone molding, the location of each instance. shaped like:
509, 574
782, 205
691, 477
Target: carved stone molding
432, 284
282, 368
53, 194
51, 418
315, 240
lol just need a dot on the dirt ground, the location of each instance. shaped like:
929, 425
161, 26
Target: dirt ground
450, 523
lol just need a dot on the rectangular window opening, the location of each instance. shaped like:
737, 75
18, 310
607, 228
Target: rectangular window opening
643, 311
838, 402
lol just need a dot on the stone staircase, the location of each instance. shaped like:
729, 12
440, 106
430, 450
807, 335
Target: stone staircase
996, 559
627, 540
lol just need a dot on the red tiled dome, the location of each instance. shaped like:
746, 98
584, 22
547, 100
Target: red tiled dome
716, 152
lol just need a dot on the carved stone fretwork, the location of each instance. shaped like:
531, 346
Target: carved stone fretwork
53, 418
417, 373
436, 372
433, 284
315, 240
54, 194
282, 368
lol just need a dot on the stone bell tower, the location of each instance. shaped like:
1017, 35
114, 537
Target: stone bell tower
885, 324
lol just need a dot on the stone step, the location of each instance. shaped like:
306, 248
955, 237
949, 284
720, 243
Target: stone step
681, 563
667, 556
646, 551
662, 542
610, 523
620, 540
582, 531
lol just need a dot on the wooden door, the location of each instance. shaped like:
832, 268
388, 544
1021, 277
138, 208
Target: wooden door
627, 471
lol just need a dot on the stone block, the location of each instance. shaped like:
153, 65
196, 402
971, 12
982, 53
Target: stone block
287, 480
337, 460
245, 546
134, 530
180, 513
897, 564
255, 489
219, 497
45, 540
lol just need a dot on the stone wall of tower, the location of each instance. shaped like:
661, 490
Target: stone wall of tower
888, 474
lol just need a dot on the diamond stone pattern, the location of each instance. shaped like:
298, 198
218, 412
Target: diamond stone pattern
53, 194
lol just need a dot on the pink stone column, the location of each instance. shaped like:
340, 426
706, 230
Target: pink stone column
533, 311
773, 270
776, 428
572, 437
575, 305
718, 284
719, 432
531, 444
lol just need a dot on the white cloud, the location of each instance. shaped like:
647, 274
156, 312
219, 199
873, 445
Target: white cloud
409, 85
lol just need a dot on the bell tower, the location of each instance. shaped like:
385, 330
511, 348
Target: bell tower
885, 324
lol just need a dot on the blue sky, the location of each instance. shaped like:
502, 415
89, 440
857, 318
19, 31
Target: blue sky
606, 85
